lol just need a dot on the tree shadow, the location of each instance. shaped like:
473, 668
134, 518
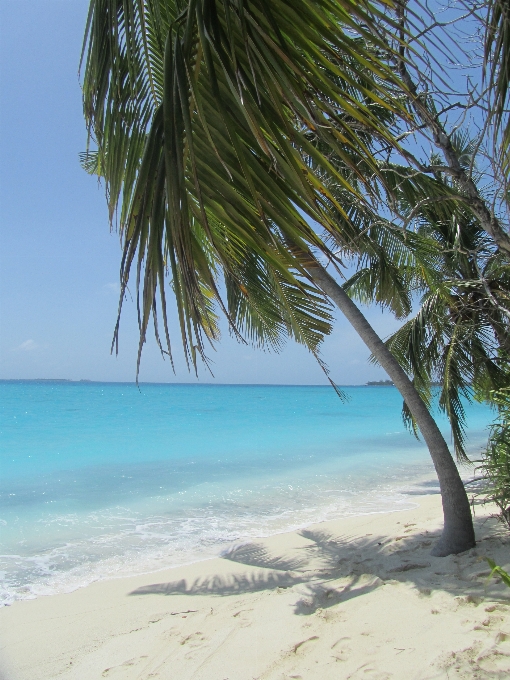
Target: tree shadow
426, 488
232, 584
329, 569
256, 555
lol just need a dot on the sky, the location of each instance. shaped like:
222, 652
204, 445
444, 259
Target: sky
59, 261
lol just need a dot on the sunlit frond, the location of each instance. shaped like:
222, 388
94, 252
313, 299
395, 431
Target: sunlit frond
202, 118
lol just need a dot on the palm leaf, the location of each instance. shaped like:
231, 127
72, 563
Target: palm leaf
200, 116
497, 65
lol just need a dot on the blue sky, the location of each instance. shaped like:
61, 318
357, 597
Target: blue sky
58, 260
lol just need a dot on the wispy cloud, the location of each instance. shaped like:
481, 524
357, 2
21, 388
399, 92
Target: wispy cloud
114, 287
27, 346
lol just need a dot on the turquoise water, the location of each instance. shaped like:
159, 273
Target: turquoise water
105, 479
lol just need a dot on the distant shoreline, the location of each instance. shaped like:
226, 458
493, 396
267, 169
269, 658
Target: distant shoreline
389, 383
381, 383
370, 383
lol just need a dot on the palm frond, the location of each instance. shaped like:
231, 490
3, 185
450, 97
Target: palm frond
443, 255
200, 116
497, 65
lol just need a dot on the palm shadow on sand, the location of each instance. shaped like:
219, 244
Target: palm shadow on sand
331, 569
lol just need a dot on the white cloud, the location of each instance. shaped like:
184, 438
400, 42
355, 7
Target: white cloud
27, 346
114, 287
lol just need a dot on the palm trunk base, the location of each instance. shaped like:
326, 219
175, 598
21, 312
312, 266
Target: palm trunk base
453, 543
458, 533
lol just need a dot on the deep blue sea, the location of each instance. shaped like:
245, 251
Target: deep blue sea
99, 480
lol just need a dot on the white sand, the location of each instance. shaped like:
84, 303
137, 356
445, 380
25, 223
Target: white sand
352, 598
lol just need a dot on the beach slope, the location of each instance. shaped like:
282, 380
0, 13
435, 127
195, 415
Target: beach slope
353, 598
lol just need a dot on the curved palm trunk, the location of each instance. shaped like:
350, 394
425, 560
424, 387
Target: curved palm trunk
458, 533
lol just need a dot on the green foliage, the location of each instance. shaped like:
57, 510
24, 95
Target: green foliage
201, 113
495, 462
443, 258
497, 571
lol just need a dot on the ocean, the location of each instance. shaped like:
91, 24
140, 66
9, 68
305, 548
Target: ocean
101, 480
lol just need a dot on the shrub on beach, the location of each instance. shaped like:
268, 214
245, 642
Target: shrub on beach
495, 462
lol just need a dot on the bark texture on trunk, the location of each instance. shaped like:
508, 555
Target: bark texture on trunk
458, 533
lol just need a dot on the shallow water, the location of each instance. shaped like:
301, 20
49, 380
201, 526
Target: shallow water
105, 479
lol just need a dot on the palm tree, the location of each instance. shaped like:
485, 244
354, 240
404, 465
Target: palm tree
462, 324
463, 320
205, 115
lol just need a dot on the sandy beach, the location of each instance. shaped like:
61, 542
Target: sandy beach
357, 597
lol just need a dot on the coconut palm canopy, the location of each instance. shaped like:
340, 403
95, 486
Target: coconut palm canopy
205, 117
451, 268
436, 255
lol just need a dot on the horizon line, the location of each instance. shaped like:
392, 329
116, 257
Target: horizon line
371, 383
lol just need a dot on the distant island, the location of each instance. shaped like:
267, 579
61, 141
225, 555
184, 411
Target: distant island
389, 383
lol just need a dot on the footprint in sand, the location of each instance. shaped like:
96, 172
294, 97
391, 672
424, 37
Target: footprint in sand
495, 662
489, 622
193, 643
120, 670
193, 640
304, 644
476, 662
243, 618
341, 649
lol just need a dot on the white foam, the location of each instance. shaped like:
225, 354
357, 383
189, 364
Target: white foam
120, 541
